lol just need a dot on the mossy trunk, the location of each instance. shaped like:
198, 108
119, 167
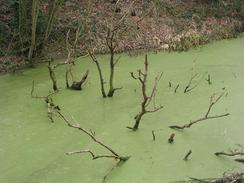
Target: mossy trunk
23, 21
138, 120
34, 16
53, 8
111, 78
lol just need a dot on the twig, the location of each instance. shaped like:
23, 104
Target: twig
176, 88
170, 84
241, 160
91, 153
233, 152
206, 116
171, 138
153, 135
189, 86
209, 80
112, 169
187, 155
229, 154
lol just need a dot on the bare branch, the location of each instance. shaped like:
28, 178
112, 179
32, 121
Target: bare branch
231, 178
116, 61
155, 109
91, 135
233, 152
91, 153
171, 138
229, 153
94, 59
187, 155
142, 77
209, 79
176, 88
51, 107
190, 86
153, 134
206, 116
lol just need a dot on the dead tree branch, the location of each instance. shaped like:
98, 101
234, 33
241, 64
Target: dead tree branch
91, 135
231, 178
176, 88
51, 107
233, 152
209, 79
91, 153
187, 155
77, 85
52, 75
153, 135
213, 101
94, 59
147, 99
191, 84
171, 138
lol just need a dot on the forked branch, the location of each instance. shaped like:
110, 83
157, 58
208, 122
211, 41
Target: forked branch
213, 101
92, 136
233, 153
147, 99
191, 84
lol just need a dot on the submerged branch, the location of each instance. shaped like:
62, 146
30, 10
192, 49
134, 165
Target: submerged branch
147, 99
91, 135
91, 153
206, 116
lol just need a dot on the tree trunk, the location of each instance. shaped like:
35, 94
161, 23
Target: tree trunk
23, 21
52, 11
138, 119
101, 80
53, 77
35, 12
111, 86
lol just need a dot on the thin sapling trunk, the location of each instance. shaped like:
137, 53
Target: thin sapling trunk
147, 99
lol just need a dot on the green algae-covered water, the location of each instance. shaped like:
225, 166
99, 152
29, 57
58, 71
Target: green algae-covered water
32, 149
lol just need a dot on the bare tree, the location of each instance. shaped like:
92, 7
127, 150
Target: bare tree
69, 62
147, 99
114, 29
213, 101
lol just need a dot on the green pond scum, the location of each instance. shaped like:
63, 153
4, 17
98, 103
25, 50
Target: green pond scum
33, 150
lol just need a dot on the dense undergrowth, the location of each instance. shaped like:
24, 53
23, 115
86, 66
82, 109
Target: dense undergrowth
158, 25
